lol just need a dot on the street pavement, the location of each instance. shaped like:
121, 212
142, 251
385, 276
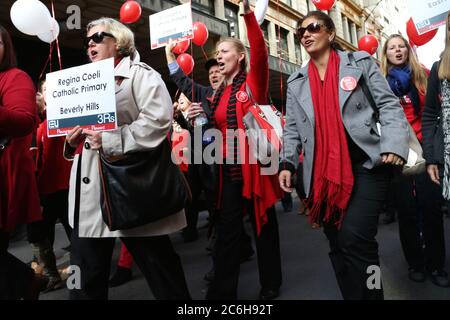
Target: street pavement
307, 271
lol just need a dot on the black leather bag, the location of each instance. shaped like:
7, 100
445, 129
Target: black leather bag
141, 188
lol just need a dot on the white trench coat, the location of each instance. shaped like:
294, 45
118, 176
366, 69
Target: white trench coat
144, 115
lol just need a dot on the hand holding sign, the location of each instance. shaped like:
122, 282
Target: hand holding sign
74, 137
94, 138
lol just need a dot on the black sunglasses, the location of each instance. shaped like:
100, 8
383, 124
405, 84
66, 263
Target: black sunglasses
97, 38
313, 27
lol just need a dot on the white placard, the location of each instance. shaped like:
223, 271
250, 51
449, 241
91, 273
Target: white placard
83, 96
174, 23
428, 14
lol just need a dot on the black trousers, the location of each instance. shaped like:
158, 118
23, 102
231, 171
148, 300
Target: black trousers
353, 246
197, 177
420, 221
15, 276
55, 207
155, 257
226, 255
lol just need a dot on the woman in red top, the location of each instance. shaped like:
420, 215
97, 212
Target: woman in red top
19, 200
242, 187
418, 199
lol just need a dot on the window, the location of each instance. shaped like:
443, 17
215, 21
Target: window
283, 45
231, 15
288, 2
350, 32
206, 6
386, 21
298, 53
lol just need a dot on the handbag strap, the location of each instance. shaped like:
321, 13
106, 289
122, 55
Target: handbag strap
364, 87
250, 95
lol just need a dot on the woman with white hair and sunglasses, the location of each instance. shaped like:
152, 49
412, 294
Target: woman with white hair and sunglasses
144, 113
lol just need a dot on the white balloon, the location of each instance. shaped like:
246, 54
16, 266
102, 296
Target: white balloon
51, 34
30, 17
260, 10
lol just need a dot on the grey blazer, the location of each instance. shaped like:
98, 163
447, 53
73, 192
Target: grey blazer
356, 112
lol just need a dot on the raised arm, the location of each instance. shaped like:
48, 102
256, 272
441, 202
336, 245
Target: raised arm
258, 76
183, 82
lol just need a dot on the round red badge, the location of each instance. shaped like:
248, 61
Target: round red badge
242, 96
348, 83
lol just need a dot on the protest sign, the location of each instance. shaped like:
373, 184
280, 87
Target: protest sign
174, 23
83, 96
428, 14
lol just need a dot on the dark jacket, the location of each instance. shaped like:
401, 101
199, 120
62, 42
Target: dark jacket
201, 93
202, 173
433, 134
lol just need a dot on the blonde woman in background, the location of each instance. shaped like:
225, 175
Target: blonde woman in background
418, 200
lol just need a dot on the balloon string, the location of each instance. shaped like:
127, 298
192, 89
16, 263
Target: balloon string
204, 53
51, 57
192, 74
280, 59
46, 63
57, 40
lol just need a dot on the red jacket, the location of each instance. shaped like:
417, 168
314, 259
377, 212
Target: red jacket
415, 120
19, 199
53, 170
264, 190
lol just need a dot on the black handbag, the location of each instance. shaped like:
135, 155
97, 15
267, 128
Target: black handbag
141, 188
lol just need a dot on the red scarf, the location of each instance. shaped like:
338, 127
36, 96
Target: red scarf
332, 173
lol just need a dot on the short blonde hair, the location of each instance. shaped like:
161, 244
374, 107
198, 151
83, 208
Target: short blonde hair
124, 36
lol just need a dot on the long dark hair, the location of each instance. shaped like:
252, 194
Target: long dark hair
328, 23
9, 57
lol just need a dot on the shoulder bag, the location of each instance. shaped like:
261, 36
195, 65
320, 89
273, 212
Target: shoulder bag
140, 188
264, 127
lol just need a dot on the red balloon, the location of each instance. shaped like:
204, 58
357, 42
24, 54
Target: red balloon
181, 47
200, 33
130, 12
368, 43
186, 63
324, 4
414, 37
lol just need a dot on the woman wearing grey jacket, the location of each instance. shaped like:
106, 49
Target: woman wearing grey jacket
347, 164
144, 113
